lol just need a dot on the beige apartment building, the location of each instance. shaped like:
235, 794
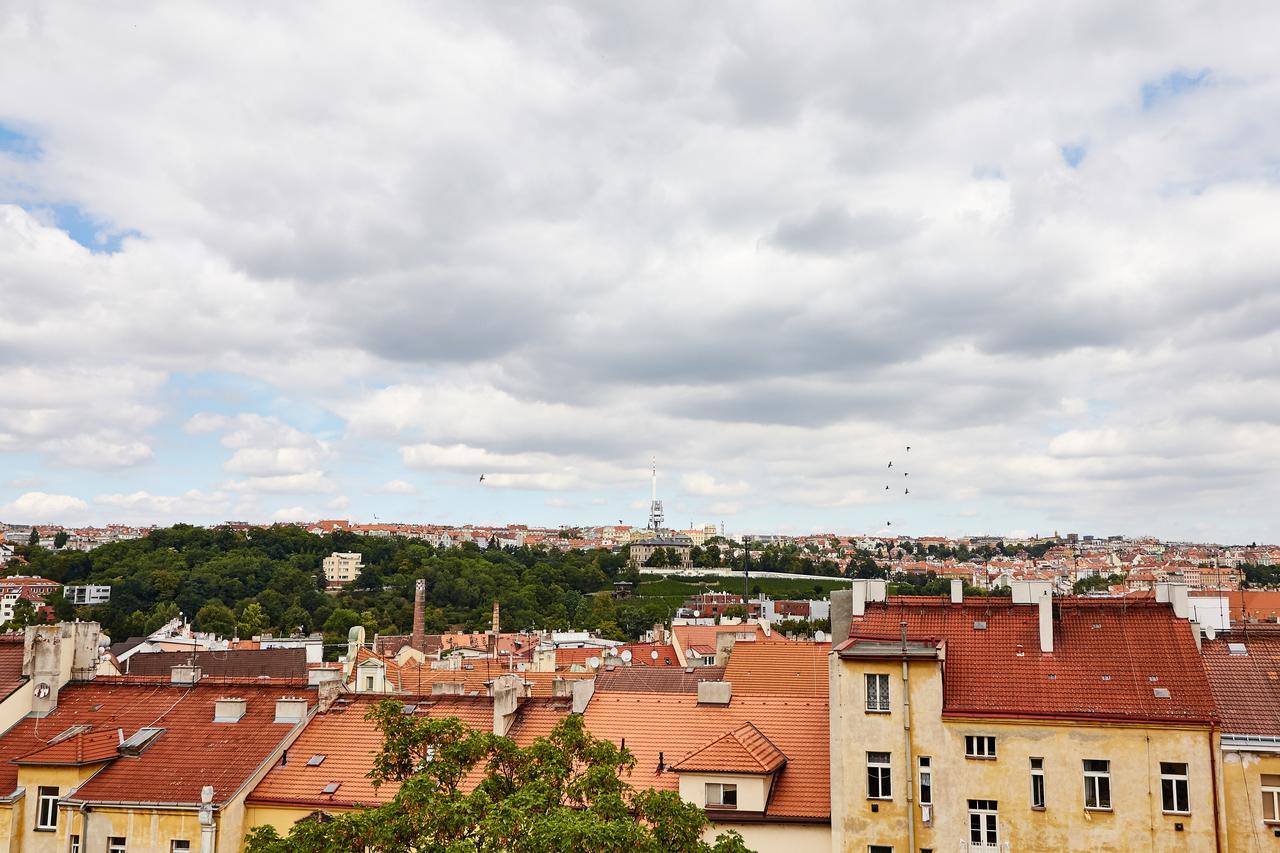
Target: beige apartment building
341, 569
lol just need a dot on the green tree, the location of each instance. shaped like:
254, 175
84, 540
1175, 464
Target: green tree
215, 618
252, 621
34, 538
295, 619
566, 791
60, 539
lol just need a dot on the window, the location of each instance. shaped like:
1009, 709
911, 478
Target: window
722, 796
1173, 788
983, 830
1271, 797
979, 746
179, 845
879, 848
75, 843
368, 682
1037, 783
926, 781
47, 809
1097, 784
115, 844
879, 784
877, 692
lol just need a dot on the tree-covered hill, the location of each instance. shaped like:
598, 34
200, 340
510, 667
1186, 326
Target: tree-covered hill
270, 579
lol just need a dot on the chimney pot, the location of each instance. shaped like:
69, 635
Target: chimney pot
1046, 622
957, 591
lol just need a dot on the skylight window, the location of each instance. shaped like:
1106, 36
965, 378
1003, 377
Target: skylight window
140, 740
1161, 692
331, 788
69, 733
1237, 649
315, 760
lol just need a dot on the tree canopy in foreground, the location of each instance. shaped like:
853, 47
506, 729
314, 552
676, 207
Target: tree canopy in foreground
466, 790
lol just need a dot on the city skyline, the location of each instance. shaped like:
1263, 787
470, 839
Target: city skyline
341, 265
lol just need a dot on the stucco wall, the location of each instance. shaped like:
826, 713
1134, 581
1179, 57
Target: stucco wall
778, 837
1241, 772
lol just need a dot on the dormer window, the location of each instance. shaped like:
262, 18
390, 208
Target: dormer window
722, 795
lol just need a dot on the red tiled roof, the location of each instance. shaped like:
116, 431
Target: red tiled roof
1109, 659
251, 663
797, 668
418, 680
11, 677
705, 635
190, 753
1254, 603
1246, 687
743, 750
630, 679
83, 748
349, 742
674, 724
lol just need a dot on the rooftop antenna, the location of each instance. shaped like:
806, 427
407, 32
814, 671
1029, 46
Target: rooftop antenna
656, 518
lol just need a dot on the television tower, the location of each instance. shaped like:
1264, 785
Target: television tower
656, 518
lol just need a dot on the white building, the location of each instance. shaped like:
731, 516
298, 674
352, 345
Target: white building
341, 569
88, 594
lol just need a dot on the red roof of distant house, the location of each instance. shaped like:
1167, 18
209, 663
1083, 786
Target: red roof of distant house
192, 751
1246, 686
632, 679
11, 677
250, 663
674, 724
476, 675
82, 748
1111, 658
743, 750
1254, 604
795, 668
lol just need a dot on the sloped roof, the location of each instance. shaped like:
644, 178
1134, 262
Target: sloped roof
1110, 657
743, 750
419, 680
674, 724
83, 748
1246, 687
705, 635
253, 663
634, 679
11, 677
192, 751
797, 668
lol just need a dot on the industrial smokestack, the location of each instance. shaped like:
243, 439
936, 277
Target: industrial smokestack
419, 638
497, 629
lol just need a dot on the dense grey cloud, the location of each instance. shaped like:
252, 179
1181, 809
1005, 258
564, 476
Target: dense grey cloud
773, 244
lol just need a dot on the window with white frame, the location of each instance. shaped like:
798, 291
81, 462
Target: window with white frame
877, 692
721, 795
46, 809
1173, 788
179, 845
926, 780
1271, 797
1097, 784
984, 830
879, 781
115, 844
74, 845
979, 746
1037, 783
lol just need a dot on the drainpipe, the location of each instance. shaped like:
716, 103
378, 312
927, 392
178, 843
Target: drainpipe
1213, 775
208, 830
906, 738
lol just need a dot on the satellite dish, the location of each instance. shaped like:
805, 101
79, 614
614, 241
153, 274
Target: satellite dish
653, 655
626, 655
593, 662
819, 637
42, 690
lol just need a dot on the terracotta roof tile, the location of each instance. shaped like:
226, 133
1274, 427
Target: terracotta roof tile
1111, 658
271, 663
797, 668
1246, 686
743, 750
82, 748
419, 680
657, 679
11, 677
674, 724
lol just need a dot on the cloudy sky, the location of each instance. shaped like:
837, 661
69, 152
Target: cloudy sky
332, 260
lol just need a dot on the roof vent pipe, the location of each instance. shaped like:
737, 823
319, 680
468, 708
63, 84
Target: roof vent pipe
1046, 622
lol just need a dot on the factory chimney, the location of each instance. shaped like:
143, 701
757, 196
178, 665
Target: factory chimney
419, 638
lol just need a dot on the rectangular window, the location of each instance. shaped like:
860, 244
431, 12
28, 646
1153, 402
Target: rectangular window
75, 844
115, 844
47, 809
1037, 783
984, 833
877, 692
179, 845
926, 781
1097, 784
879, 848
1271, 797
722, 796
879, 783
1173, 787
979, 746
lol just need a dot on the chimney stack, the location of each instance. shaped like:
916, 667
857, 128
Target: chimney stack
419, 638
957, 591
841, 614
1046, 622
497, 629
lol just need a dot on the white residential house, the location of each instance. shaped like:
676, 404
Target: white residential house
341, 569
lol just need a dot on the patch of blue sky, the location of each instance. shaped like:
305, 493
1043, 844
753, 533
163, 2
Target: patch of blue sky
1073, 153
192, 392
1172, 85
18, 144
91, 233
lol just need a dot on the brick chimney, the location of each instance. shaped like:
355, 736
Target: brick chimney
419, 638
497, 629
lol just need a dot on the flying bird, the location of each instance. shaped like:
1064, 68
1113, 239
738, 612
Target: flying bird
906, 491
482, 478
891, 463
906, 474
908, 448
886, 488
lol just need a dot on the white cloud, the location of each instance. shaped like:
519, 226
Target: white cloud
310, 483
705, 485
395, 487
42, 507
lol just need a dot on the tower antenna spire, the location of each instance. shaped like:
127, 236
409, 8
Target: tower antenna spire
656, 518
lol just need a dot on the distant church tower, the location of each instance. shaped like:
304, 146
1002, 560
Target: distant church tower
656, 518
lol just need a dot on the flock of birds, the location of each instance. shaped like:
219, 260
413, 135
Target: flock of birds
906, 490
